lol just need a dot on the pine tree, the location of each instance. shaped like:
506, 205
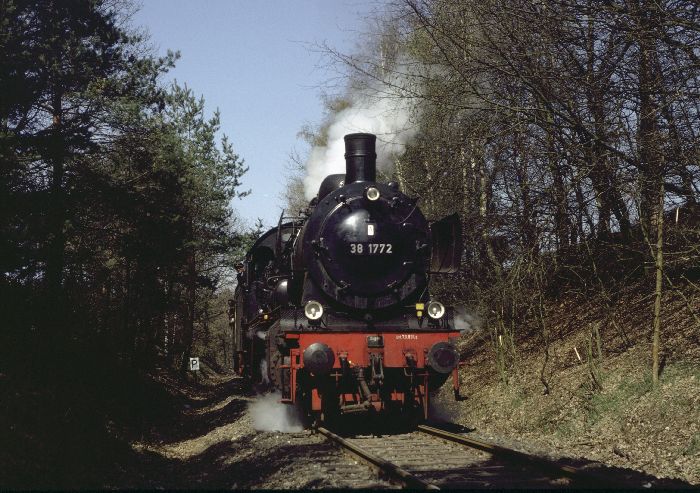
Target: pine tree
70, 77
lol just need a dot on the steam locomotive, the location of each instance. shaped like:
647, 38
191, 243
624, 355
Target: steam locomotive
333, 309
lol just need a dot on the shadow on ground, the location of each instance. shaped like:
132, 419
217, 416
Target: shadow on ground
77, 429
194, 440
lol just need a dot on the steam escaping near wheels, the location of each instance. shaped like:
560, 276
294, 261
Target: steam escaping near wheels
269, 414
263, 372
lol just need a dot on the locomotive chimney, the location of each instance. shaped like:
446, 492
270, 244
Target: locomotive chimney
360, 158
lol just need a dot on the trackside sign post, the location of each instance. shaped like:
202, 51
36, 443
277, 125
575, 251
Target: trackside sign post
194, 364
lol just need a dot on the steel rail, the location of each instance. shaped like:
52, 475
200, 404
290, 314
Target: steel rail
398, 474
494, 449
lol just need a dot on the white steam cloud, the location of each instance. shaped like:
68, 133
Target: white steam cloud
263, 371
260, 334
465, 321
384, 111
269, 414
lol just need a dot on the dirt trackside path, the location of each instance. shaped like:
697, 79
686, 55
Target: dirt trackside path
211, 443
185, 449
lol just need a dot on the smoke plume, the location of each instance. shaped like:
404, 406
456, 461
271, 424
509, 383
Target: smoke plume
385, 111
269, 414
465, 321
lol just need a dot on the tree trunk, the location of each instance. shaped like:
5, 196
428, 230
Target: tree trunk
483, 212
188, 336
650, 172
562, 222
656, 339
400, 176
53, 317
57, 214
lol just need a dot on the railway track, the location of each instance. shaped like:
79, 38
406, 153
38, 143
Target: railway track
432, 458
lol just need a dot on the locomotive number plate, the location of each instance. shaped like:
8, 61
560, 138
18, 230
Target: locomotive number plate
370, 248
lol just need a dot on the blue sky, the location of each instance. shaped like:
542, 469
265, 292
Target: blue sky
254, 60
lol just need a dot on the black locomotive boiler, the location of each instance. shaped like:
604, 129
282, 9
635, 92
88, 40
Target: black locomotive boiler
333, 308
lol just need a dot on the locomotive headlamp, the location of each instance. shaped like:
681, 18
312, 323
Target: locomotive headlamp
372, 194
313, 310
436, 310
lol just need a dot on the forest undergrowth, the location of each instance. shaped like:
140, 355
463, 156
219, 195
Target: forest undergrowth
77, 429
599, 402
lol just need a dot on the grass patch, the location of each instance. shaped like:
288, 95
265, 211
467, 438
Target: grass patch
680, 370
565, 429
549, 426
694, 445
614, 401
518, 395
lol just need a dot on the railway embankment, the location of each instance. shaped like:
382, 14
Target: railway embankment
92, 426
590, 394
